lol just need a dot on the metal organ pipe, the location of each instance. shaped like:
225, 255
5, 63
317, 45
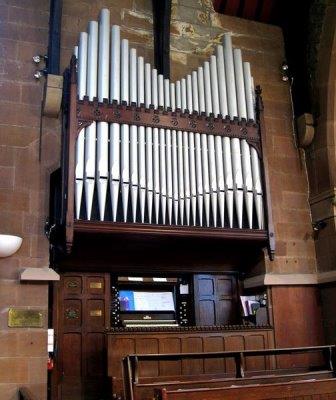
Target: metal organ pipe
169, 175
173, 176
90, 133
180, 156
245, 148
81, 91
235, 143
133, 136
204, 149
198, 156
156, 162
149, 144
218, 141
103, 93
115, 128
226, 142
142, 141
124, 134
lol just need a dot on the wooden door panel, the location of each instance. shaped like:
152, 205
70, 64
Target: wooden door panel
72, 315
95, 314
215, 298
72, 285
72, 350
83, 301
95, 363
207, 312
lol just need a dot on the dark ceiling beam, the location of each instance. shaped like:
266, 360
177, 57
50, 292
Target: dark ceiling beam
161, 16
266, 11
231, 7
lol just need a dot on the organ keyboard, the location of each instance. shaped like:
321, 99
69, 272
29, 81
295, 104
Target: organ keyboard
149, 151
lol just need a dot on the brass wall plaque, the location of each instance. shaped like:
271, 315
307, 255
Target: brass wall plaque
96, 313
96, 285
25, 318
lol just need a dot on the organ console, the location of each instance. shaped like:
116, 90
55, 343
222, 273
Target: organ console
151, 156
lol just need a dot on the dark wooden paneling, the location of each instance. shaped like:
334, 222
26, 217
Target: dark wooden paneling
215, 299
83, 306
297, 321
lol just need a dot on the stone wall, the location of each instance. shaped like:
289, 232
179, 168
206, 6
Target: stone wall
23, 190
24, 187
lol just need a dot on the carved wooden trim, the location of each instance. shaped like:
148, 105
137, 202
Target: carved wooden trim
89, 111
266, 187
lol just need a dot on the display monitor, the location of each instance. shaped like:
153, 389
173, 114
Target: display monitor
133, 300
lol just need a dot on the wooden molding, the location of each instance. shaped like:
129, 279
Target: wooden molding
281, 279
39, 274
326, 277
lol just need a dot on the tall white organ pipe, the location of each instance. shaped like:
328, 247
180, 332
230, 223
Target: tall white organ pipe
185, 145
133, 136
81, 91
149, 144
156, 159
256, 174
103, 93
180, 163
175, 176
235, 143
162, 154
142, 141
115, 128
90, 134
169, 175
226, 142
245, 148
211, 144
204, 149
198, 156
124, 135
193, 191
218, 141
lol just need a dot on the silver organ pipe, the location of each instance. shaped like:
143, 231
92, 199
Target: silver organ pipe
198, 157
235, 143
175, 176
133, 136
115, 128
226, 142
156, 162
103, 127
90, 133
81, 91
180, 156
192, 164
171, 176
124, 134
149, 144
204, 149
162, 157
142, 143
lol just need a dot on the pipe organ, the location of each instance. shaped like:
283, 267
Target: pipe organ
149, 153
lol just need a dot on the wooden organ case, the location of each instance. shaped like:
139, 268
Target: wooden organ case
179, 166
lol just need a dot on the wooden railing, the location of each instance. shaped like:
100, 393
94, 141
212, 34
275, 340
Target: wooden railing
138, 387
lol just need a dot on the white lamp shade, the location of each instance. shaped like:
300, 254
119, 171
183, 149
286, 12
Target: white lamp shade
9, 245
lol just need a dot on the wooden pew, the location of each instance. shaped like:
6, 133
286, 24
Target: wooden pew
142, 388
305, 389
